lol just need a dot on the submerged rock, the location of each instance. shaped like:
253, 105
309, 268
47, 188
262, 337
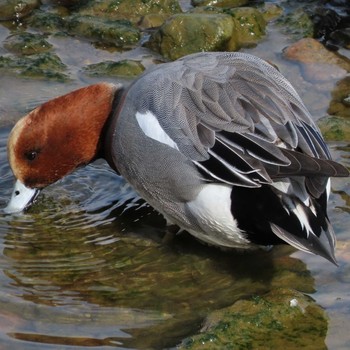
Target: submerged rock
27, 44
15, 9
220, 3
282, 318
41, 66
335, 128
124, 68
296, 24
45, 21
132, 10
120, 33
317, 63
340, 103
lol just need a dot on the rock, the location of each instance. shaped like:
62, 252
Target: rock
335, 128
116, 32
187, 33
152, 21
220, 3
41, 66
45, 21
280, 319
124, 68
340, 103
296, 24
15, 9
250, 26
317, 63
26, 44
132, 10
271, 11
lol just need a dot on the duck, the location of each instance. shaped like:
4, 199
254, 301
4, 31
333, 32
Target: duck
219, 143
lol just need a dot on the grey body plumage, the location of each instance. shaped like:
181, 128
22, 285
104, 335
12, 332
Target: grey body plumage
226, 124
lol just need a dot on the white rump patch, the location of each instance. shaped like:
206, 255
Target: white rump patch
149, 124
212, 209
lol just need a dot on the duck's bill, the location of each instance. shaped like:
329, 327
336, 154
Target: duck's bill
22, 197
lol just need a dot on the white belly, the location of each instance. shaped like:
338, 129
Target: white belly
212, 209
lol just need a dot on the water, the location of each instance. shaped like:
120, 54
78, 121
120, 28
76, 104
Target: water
87, 265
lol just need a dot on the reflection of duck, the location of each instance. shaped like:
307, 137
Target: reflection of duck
220, 143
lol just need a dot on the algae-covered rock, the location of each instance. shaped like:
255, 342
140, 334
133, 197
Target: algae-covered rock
41, 66
117, 32
26, 44
335, 128
124, 68
271, 11
188, 33
281, 319
296, 24
220, 3
15, 9
131, 10
152, 20
340, 103
46, 21
250, 26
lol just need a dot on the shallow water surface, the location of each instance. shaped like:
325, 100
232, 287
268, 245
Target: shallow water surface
88, 265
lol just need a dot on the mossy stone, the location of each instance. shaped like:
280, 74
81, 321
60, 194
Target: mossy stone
220, 3
296, 24
340, 103
124, 68
26, 44
188, 33
250, 26
45, 21
15, 9
335, 128
40, 66
119, 33
132, 10
281, 319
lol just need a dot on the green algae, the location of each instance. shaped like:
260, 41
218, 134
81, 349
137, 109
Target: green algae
282, 318
124, 68
117, 32
40, 66
121, 9
27, 44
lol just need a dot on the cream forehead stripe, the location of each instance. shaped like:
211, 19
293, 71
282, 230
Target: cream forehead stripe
14, 136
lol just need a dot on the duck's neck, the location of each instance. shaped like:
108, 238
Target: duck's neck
106, 139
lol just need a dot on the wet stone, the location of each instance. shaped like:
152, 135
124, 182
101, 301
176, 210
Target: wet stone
121, 9
117, 32
46, 21
282, 318
220, 3
124, 68
340, 103
317, 63
15, 9
297, 24
335, 128
250, 26
188, 33
39, 66
27, 44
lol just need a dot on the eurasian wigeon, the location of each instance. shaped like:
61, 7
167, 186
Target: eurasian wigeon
219, 143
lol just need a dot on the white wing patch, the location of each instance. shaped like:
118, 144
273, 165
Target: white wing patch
212, 210
151, 128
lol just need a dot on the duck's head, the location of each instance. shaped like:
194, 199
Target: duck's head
55, 139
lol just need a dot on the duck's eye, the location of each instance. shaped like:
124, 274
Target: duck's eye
31, 155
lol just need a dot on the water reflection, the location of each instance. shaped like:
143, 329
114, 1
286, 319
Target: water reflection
86, 266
